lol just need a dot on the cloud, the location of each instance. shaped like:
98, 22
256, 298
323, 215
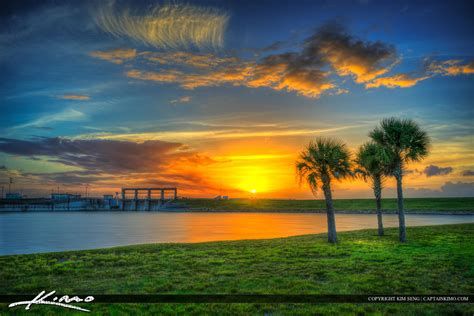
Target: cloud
166, 26
275, 72
223, 133
431, 69
433, 170
398, 80
102, 155
452, 67
189, 59
309, 71
68, 115
348, 55
304, 72
448, 189
164, 76
184, 99
468, 173
235, 75
78, 97
112, 163
292, 72
458, 188
116, 56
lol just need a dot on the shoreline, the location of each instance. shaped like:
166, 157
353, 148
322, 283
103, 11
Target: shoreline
217, 211
198, 243
320, 211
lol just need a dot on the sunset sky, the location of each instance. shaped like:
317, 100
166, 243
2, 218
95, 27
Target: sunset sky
219, 97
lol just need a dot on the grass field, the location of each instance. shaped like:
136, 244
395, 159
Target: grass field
435, 260
412, 205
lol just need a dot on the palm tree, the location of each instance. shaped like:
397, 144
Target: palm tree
322, 161
371, 168
403, 141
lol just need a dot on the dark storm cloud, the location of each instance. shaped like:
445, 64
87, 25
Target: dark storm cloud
71, 177
468, 173
103, 156
449, 189
433, 170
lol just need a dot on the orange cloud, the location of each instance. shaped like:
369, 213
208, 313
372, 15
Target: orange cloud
166, 25
330, 50
446, 68
78, 97
108, 163
165, 76
451, 67
189, 59
351, 56
309, 83
398, 80
116, 56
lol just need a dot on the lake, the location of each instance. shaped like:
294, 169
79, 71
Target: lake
34, 232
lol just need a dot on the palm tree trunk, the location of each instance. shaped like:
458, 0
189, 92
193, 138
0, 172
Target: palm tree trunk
401, 212
378, 202
332, 236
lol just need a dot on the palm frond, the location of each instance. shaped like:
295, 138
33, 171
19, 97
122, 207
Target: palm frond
323, 158
403, 140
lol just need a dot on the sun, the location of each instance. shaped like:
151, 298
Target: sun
253, 191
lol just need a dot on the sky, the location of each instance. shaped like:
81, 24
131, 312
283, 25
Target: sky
220, 97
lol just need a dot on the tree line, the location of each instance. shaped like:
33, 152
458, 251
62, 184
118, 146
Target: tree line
392, 145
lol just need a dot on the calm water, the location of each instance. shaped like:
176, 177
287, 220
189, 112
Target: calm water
60, 231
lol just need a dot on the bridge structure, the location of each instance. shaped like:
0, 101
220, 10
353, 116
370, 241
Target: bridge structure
147, 198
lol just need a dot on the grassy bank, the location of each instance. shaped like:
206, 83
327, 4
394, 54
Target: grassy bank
436, 260
418, 205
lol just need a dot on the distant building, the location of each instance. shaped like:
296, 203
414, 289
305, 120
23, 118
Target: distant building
221, 197
110, 201
13, 196
64, 196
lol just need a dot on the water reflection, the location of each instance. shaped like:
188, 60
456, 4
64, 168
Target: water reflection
45, 232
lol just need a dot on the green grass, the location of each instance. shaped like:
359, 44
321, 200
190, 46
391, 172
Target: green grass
412, 205
435, 260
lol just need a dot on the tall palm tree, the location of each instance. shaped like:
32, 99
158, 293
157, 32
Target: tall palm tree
403, 141
372, 168
322, 161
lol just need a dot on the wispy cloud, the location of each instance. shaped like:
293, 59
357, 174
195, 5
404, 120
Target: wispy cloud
78, 97
184, 99
188, 59
68, 115
166, 26
116, 56
230, 133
